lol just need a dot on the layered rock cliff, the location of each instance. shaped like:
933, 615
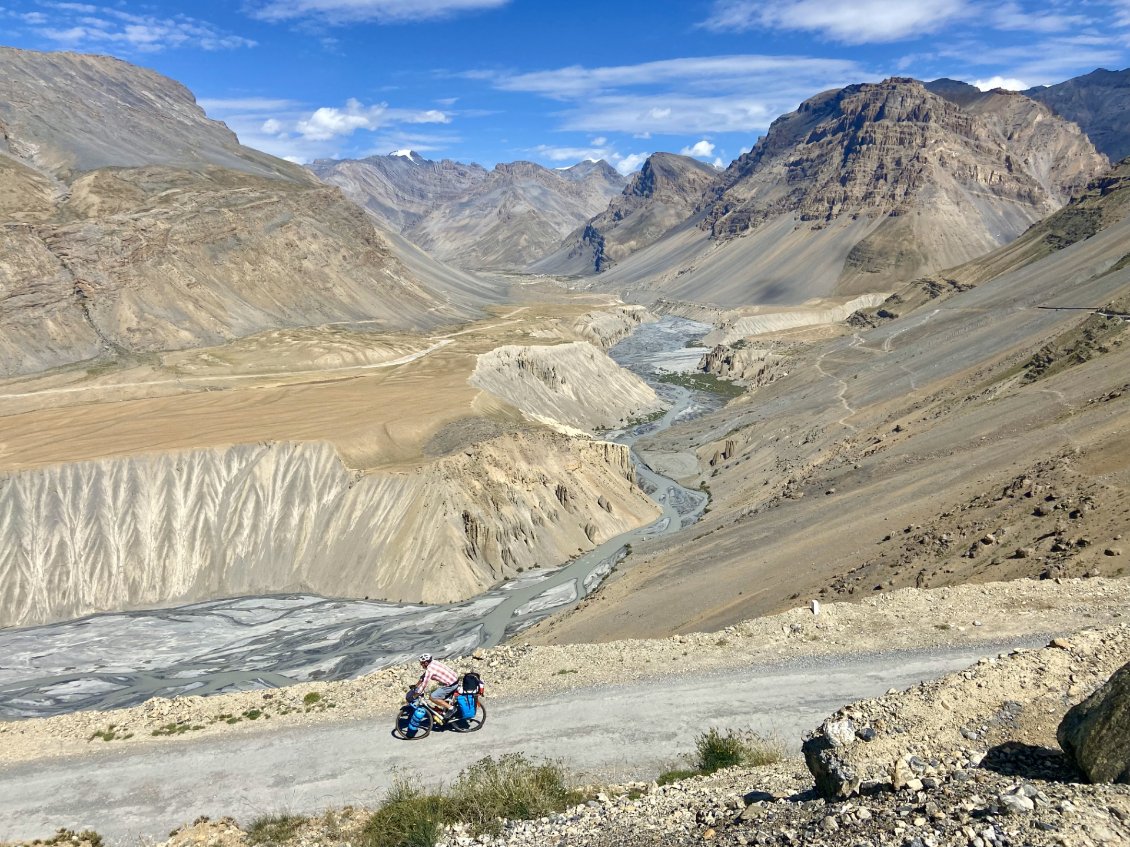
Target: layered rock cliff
975, 176
862, 189
1099, 102
253, 519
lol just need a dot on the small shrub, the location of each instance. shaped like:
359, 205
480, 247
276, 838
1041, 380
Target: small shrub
274, 829
407, 818
717, 751
311, 698
253, 714
564, 671
510, 787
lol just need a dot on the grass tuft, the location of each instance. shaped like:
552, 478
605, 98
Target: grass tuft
407, 818
510, 787
716, 751
274, 829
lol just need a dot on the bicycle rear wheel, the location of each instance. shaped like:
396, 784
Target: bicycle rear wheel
402, 729
471, 724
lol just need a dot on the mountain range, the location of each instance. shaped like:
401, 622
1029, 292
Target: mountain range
502, 219
133, 223
860, 189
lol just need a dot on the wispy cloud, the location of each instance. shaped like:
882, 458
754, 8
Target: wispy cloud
681, 96
380, 11
849, 21
880, 21
85, 26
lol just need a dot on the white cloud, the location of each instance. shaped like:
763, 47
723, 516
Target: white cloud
81, 26
701, 150
682, 96
291, 130
850, 21
380, 11
631, 163
1007, 83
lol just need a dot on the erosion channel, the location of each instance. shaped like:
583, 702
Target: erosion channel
120, 659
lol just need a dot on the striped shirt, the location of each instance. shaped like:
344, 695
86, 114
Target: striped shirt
438, 672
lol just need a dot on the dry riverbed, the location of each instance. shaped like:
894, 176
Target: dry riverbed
910, 618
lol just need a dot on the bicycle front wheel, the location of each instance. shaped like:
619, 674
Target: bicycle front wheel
403, 725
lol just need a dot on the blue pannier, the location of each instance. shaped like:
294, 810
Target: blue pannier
419, 715
466, 705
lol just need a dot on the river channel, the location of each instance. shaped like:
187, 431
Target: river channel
113, 660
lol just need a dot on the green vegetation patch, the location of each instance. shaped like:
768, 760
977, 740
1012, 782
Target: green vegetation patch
1071, 225
111, 733
705, 382
715, 750
274, 829
510, 787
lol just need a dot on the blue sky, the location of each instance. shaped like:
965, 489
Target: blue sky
558, 82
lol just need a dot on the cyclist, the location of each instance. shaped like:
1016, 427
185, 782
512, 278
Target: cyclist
436, 671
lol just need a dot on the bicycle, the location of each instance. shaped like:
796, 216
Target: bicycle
419, 716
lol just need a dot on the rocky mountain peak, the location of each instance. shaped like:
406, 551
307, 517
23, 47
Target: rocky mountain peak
590, 168
877, 149
670, 173
1099, 102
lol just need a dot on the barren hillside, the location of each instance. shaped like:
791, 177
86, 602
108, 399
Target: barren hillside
132, 223
505, 218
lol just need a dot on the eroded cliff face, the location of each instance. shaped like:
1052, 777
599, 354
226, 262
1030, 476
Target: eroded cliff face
574, 385
608, 327
253, 519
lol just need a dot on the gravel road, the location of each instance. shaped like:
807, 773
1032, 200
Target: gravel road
602, 733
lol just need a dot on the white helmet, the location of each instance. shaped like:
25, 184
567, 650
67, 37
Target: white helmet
425, 657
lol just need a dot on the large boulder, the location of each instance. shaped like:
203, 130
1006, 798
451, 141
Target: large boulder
824, 753
1096, 732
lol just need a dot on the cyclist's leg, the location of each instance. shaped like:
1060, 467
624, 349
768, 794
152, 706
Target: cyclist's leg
442, 695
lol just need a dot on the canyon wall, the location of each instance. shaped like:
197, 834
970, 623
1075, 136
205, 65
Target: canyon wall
267, 518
